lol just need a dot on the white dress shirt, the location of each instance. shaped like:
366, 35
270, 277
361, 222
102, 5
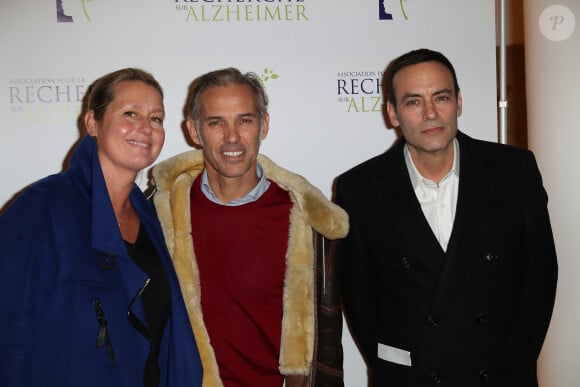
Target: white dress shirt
438, 202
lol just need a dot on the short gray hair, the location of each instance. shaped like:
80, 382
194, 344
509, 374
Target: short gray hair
222, 78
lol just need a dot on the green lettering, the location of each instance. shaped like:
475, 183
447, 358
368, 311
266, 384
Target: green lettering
273, 16
300, 12
217, 12
191, 13
352, 104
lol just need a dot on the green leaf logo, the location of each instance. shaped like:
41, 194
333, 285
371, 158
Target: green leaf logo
83, 3
267, 74
403, 9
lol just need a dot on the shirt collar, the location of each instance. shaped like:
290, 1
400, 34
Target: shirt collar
417, 178
252, 196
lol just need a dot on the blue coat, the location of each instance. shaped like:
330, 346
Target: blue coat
60, 251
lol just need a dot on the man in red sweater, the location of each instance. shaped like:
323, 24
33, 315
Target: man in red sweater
243, 236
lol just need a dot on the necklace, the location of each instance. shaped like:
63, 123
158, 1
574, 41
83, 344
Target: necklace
125, 212
120, 219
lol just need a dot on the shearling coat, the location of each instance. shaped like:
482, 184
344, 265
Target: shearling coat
311, 211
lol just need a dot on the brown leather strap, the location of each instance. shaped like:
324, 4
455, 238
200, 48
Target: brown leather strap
328, 356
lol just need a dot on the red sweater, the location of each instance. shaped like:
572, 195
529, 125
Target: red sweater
241, 255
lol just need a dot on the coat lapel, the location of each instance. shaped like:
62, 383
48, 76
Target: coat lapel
396, 199
468, 223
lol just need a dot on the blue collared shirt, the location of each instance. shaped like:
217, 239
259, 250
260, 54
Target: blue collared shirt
252, 196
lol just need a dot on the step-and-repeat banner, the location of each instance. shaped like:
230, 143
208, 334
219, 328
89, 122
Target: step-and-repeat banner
321, 62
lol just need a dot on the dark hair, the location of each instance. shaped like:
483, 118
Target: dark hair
412, 58
102, 91
222, 78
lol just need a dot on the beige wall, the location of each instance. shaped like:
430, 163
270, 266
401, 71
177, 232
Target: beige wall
553, 110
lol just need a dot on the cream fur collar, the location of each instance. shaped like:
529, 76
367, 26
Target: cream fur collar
311, 210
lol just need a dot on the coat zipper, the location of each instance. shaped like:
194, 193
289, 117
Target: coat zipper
134, 320
103, 337
140, 291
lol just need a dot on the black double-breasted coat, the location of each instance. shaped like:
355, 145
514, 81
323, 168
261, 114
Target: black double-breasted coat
473, 315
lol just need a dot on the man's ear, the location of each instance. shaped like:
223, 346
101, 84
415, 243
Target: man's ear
265, 126
392, 114
191, 130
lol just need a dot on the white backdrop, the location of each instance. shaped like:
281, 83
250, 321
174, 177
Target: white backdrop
321, 62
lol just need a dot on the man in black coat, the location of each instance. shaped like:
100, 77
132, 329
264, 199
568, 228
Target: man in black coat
449, 271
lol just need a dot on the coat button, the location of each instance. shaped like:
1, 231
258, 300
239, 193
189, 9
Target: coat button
484, 376
431, 321
406, 263
490, 257
107, 261
480, 318
435, 379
